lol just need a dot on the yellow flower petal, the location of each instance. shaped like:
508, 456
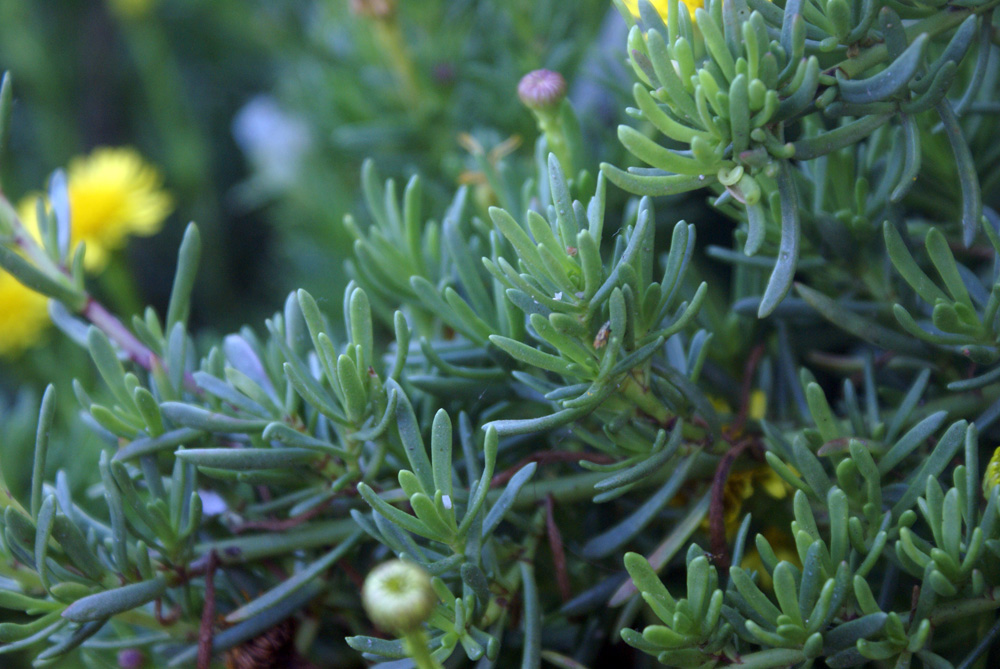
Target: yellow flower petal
991, 476
772, 484
24, 316
661, 6
758, 405
113, 193
720, 404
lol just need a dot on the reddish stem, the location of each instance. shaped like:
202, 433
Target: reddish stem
207, 629
137, 352
165, 620
746, 388
556, 547
716, 509
107, 322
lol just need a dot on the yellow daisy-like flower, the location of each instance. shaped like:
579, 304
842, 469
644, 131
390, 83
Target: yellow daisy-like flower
991, 476
23, 316
113, 193
741, 485
661, 6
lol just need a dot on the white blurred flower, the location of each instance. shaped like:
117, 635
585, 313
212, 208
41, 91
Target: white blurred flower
211, 503
273, 140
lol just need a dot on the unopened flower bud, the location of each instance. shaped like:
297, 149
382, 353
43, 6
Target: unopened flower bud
542, 90
374, 9
131, 658
398, 596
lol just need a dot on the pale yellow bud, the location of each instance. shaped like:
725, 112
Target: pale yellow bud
398, 596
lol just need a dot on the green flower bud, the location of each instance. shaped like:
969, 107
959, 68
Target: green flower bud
398, 596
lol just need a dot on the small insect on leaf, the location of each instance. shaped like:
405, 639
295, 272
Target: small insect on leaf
601, 340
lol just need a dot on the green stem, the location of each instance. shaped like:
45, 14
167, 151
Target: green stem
550, 125
415, 643
392, 45
965, 608
644, 400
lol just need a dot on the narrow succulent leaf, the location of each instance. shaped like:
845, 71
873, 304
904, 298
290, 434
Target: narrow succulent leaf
655, 185
833, 140
856, 324
912, 158
783, 274
413, 443
907, 405
669, 547
46, 415
613, 538
847, 634
39, 281
111, 602
507, 498
166, 441
906, 444
531, 657
188, 257
441, 446
661, 118
245, 459
395, 516
889, 81
509, 427
654, 155
908, 268
197, 418
531, 355
294, 583
968, 177
285, 434
944, 262
932, 466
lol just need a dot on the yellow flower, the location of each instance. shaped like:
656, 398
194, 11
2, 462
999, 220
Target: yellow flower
756, 410
661, 6
23, 316
991, 476
741, 485
758, 405
113, 193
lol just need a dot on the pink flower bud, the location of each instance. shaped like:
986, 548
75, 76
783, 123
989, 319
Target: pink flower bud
542, 89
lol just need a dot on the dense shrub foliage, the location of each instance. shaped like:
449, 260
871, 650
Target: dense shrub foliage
546, 420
